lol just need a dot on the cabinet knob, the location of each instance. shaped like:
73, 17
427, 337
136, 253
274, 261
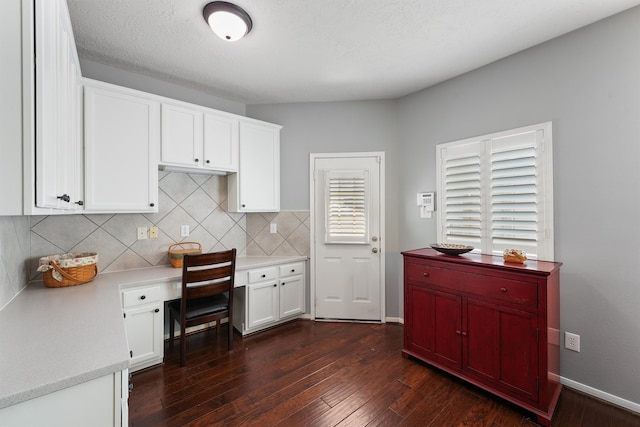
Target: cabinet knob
458, 332
425, 274
293, 270
283, 283
157, 310
464, 334
208, 161
197, 160
152, 204
244, 206
503, 289
65, 198
143, 296
79, 203
264, 275
274, 285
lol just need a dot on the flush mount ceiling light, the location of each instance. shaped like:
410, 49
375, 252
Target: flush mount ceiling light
228, 21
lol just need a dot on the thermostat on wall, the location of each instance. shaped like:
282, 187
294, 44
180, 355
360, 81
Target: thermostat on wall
426, 201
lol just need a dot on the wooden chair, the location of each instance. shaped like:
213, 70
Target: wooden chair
205, 280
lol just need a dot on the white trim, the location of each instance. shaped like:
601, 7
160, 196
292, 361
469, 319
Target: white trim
312, 219
618, 401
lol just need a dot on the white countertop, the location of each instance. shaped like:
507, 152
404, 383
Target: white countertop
53, 338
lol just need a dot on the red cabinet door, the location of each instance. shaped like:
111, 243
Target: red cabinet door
433, 324
500, 347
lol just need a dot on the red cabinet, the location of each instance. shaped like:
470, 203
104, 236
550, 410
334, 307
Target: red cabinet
487, 322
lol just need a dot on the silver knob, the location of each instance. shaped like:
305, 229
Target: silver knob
374, 239
374, 250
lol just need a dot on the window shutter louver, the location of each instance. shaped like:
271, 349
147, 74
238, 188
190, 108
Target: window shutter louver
347, 207
463, 199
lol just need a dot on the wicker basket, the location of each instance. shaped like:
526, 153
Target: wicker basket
176, 255
82, 268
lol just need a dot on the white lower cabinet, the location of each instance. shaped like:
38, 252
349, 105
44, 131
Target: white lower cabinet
272, 295
98, 402
144, 323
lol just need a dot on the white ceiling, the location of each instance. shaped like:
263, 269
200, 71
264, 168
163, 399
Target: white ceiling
322, 50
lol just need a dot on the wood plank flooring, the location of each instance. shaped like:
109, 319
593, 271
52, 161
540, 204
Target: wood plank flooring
308, 373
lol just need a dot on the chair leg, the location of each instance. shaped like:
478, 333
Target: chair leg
183, 344
172, 327
230, 324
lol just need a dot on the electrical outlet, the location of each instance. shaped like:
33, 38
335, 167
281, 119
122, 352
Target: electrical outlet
572, 341
184, 230
142, 233
153, 232
273, 228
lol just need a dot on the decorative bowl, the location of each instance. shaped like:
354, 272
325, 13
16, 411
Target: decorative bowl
451, 248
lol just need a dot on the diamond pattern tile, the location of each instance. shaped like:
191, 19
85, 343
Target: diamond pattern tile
178, 186
65, 231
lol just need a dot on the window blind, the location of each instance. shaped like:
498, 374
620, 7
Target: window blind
346, 207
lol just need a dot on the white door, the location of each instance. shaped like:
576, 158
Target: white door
348, 257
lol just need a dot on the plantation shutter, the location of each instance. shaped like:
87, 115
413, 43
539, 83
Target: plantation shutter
496, 192
347, 207
514, 192
463, 193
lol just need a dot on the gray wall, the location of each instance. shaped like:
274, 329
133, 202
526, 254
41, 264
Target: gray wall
106, 73
588, 84
339, 127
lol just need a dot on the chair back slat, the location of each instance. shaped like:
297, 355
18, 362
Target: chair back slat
195, 276
207, 290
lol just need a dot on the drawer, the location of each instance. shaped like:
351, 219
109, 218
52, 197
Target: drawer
261, 274
141, 296
291, 269
500, 288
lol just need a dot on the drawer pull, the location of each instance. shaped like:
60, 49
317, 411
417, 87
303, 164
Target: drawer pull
264, 275
425, 274
458, 333
293, 270
143, 297
464, 334
503, 289
157, 310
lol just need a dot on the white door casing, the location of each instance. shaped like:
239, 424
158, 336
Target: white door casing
347, 250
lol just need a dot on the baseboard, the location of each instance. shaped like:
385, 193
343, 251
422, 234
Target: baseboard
615, 400
399, 320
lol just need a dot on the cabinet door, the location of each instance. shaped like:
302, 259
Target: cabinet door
262, 304
220, 142
256, 186
57, 110
181, 136
122, 135
500, 346
434, 327
145, 328
291, 296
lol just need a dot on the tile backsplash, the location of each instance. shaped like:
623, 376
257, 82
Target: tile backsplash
199, 201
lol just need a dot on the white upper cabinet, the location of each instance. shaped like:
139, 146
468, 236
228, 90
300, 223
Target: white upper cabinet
11, 107
122, 137
58, 109
198, 138
256, 186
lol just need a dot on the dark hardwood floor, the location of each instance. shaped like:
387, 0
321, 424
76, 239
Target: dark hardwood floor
325, 374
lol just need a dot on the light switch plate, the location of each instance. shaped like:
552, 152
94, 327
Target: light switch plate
153, 232
184, 230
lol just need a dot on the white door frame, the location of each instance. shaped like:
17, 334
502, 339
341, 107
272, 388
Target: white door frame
312, 219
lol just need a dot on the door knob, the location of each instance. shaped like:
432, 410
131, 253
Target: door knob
374, 250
